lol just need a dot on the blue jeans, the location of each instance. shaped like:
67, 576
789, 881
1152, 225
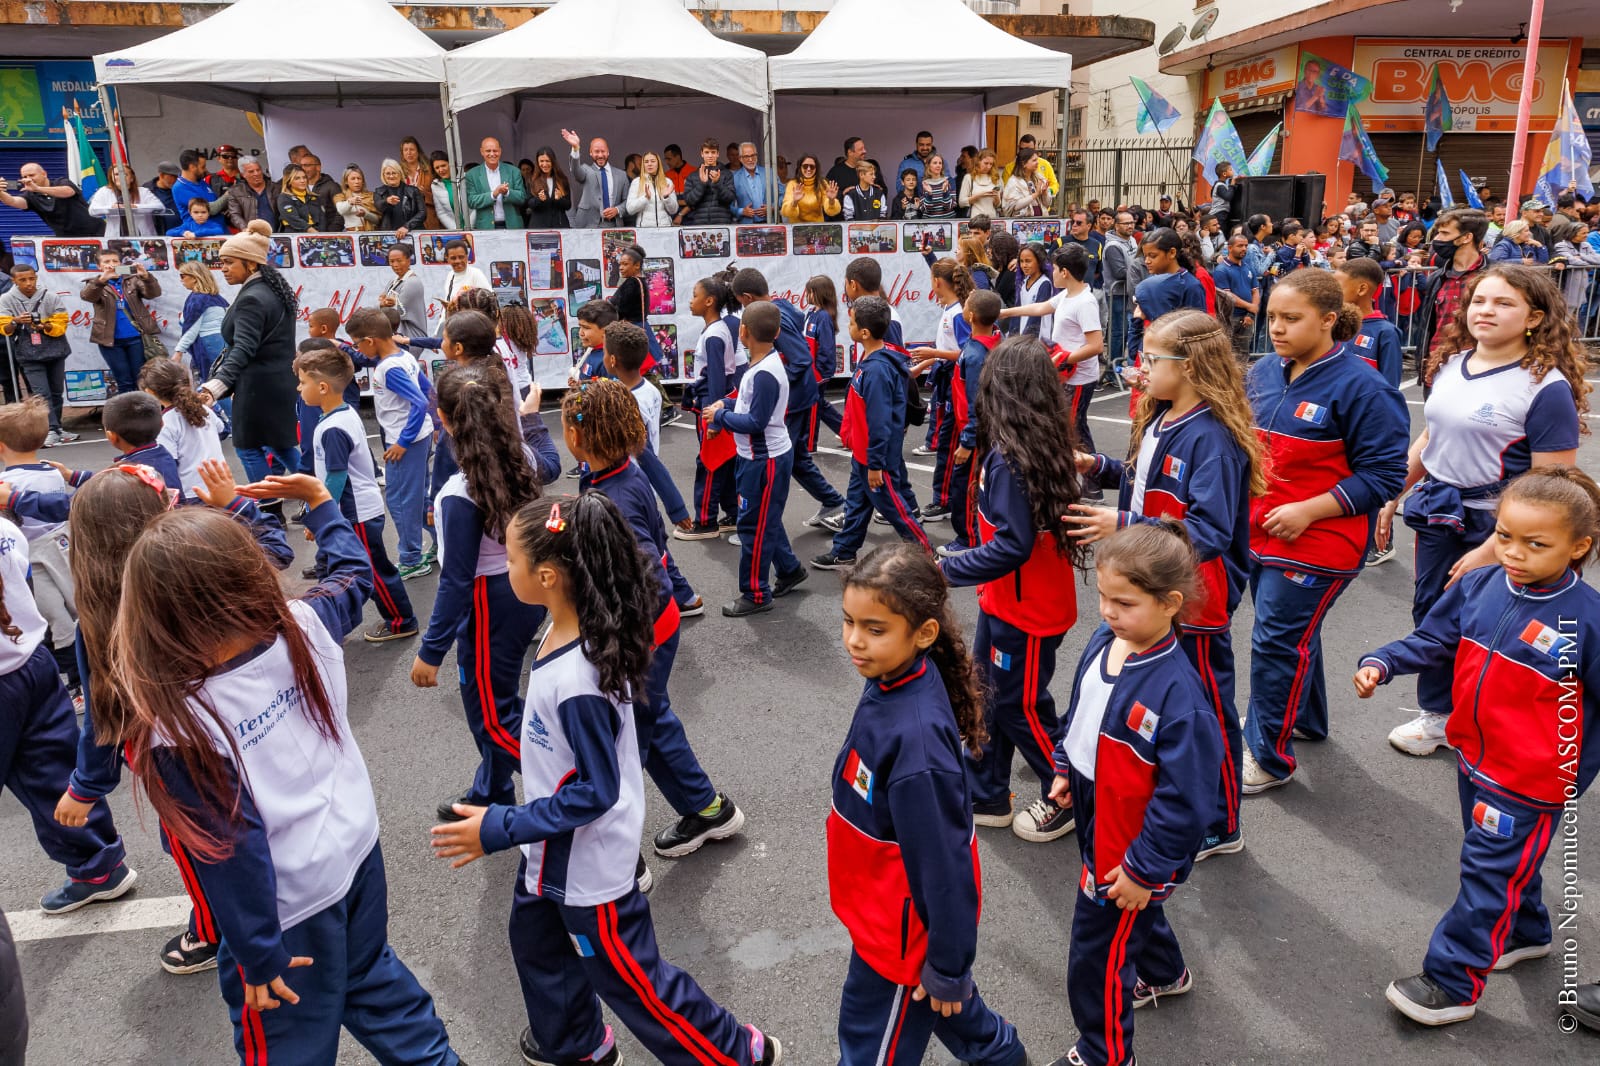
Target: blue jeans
405, 489
259, 462
124, 358
206, 350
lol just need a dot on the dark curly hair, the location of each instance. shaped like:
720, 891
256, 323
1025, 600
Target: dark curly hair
904, 579
476, 401
611, 583
1022, 410
607, 419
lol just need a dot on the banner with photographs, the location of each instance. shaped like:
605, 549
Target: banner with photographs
551, 272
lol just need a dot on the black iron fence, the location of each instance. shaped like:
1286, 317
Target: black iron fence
1125, 172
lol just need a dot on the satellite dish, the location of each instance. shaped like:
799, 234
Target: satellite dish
1172, 40
1203, 24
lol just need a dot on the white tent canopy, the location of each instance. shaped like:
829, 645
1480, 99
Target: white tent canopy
918, 45
599, 47
253, 52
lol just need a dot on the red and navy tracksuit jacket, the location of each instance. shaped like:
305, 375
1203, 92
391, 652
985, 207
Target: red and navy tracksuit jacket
822, 335
875, 411
795, 350
1337, 428
903, 873
1378, 345
1155, 770
1516, 724
964, 386
1022, 579
626, 486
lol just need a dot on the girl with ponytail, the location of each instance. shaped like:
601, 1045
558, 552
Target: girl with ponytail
190, 430
1171, 285
902, 859
577, 558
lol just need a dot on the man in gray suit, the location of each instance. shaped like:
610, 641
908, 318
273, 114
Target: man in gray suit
603, 188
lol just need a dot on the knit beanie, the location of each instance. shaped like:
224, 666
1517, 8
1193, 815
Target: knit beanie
252, 245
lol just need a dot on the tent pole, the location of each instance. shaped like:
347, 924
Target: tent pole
771, 125
114, 133
452, 148
1062, 99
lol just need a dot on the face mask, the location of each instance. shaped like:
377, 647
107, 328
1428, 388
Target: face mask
1443, 251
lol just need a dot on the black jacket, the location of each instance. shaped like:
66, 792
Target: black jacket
549, 213
301, 216
13, 1006
257, 367
410, 213
709, 205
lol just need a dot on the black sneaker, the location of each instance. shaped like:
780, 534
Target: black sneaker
1422, 1000
830, 561
312, 573
1586, 1005
933, 513
1145, 994
744, 608
785, 585
576, 472
1220, 844
532, 1056
827, 515
726, 524
447, 812
382, 630
643, 877
689, 833
688, 530
1042, 821
670, 414
183, 955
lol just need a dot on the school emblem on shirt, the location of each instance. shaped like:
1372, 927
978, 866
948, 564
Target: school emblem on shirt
859, 775
1493, 821
1362, 340
1000, 658
1174, 467
1484, 416
538, 732
1314, 413
1143, 720
1300, 578
1544, 640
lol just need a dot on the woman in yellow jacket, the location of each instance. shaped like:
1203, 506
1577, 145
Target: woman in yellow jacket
810, 198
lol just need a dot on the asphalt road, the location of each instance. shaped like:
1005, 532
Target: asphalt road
1291, 941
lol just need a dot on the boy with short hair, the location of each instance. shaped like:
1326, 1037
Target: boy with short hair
874, 429
36, 321
1378, 342
765, 458
593, 318
24, 427
401, 405
132, 421
342, 463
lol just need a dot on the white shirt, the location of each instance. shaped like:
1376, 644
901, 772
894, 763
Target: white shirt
460, 281
391, 409
35, 477
1082, 742
359, 472
190, 445
19, 601
648, 397
516, 363
1141, 476
1073, 318
103, 204
492, 176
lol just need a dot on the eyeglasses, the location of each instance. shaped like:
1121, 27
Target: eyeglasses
1148, 354
808, 166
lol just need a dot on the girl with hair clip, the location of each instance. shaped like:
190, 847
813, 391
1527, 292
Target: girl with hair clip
822, 334
1333, 438
1508, 395
950, 287
1137, 761
1171, 285
601, 423
715, 374
238, 735
1196, 460
903, 871
474, 606
1024, 566
581, 932
190, 430
1522, 641
518, 344
107, 516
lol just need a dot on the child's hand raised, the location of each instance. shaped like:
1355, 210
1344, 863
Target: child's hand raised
1367, 680
460, 841
302, 487
217, 487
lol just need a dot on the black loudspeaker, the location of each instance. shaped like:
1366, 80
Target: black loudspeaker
1272, 195
1308, 194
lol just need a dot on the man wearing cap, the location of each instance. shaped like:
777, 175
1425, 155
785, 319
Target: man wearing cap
1163, 212
252, 196
1536, 213
1383, 212
228, 172
160, 187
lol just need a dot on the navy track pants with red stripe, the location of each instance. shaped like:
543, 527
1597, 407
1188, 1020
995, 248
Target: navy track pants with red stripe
1287, 689
388, 591
763, 543
714, 490
804, 471
881, 1025
1110, 948
663, 745
571, 959
1499, 904
355, 982
1019, 710
1211, 654
894, 500
494, 638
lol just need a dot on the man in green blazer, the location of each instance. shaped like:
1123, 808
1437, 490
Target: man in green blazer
495, 191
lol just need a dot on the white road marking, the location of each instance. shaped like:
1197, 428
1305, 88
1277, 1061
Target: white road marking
118, 916
1118, 421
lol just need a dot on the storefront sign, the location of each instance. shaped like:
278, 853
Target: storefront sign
33, 96
1588, 105
1483, 79
1262, 75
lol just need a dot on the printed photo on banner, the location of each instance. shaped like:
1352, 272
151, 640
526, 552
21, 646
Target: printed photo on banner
544, 261
1045, 231
152, 255
364, 379
23, 250
86, 387
703, 243
576, 344
433, 246
925, 237
583, 281
205, 250
996, 225
1326, 88
667, 340
662, 286
550, 320
508, 278
612, 242
71, 255
760, 241
281, 253
375, 248
817, 239
872, 238
326, 251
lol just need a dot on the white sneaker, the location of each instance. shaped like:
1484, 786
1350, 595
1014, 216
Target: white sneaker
1042, 821
1523, 953
1423, 735
1254, 779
